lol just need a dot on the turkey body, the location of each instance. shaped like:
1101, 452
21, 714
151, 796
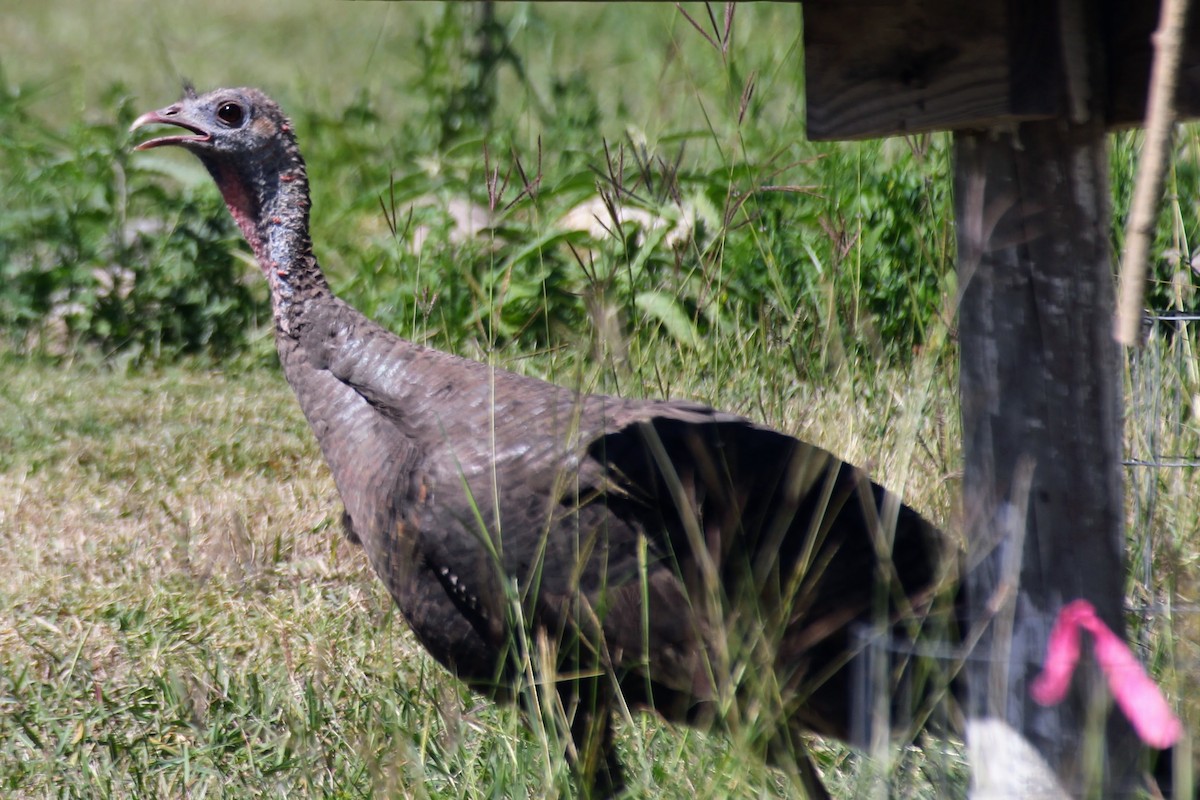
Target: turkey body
666, 555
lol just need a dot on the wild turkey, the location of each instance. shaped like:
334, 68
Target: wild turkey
659, 550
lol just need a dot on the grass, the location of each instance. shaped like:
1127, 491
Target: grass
181, 615
705, 142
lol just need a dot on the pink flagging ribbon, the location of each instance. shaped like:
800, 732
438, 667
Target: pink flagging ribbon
1135, 692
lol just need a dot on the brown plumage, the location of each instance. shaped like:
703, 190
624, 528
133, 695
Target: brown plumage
662, 550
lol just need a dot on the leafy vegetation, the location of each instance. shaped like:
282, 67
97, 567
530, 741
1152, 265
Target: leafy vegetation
484, 227
96, 252
1173, 265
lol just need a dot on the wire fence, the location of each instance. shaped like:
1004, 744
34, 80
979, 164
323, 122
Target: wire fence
1162, 433
1162, 457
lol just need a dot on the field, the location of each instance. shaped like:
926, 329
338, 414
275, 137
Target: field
181, 615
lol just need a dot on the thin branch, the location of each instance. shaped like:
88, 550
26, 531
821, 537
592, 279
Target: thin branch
1160, 119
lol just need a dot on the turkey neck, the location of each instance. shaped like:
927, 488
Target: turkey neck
270, 203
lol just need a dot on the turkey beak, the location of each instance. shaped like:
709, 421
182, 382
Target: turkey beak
171, 115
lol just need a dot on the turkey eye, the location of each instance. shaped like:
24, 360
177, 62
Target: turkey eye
231, 114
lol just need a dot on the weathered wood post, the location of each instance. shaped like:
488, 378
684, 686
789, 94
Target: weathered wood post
1041, 403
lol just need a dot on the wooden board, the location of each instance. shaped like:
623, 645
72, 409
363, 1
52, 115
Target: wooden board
884, 67
891, 67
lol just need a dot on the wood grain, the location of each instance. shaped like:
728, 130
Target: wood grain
876, 68
1041, 403
890, 67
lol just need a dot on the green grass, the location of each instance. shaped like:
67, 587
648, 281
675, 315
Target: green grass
180, 614
728, 215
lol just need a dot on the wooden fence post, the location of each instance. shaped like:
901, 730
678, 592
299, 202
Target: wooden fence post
1041, 405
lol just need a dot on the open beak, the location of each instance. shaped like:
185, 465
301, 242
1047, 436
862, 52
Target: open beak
168, 116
